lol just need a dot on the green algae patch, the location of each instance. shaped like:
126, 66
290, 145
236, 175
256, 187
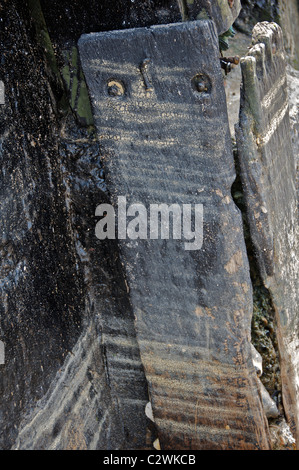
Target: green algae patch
75, 84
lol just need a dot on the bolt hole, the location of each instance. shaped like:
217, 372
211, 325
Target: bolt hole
201, 83
115, 88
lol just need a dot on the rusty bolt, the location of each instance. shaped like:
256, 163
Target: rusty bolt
115, 88
201, 83
201, 87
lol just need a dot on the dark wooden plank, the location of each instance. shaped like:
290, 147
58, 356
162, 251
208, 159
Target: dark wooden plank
165, 138
269, 176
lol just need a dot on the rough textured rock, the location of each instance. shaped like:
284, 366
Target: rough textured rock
165, 139
268, 177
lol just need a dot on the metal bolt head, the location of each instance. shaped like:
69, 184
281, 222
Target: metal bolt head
201, 87
201, 83
115, 88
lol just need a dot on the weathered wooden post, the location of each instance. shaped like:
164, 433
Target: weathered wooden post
160, 112
269, 179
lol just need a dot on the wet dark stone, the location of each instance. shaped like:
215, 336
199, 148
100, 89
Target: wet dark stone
41, 299
62, 295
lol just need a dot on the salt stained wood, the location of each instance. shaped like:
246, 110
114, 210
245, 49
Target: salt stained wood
160, 113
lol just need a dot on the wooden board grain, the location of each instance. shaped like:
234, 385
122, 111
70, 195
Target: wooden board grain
164, 138
269, 180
